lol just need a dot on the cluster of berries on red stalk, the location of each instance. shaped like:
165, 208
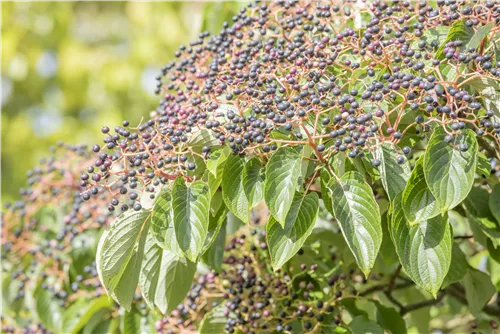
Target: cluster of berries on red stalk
49, 236
290, 73
252, 297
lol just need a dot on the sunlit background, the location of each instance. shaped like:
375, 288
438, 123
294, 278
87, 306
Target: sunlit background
68, 68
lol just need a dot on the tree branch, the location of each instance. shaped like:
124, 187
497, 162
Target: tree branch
393, 279
422, 304
463, 237
455, 290
393, 300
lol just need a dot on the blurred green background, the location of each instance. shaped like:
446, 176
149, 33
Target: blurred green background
68, 68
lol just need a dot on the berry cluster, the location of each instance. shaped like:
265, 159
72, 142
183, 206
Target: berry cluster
290, 73
253, 298
49, 237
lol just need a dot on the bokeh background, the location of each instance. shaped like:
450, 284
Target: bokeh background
68, 68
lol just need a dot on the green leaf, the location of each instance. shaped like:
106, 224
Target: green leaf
449, 172
458, 266
215, 224
253, 181
148, 198
479, 214
340, 330
418, 202
437, 35
216, 202
98, 323
390, 319
424, 249
489, 89
233, 223
338, 163
49, 219
214, 321
357, 212
165, 278
489, 227
494, 202
118, 246
162, 223
83, 248
325, 193
477, 203
393, 175
131, 322
215, 164
202, 138
190, 207
150, 270
282, 174
307, 165
48, 310
459, 32
477, 232
200, 166
10, 289
479, 35
124, 292
369, 168
362, 325
387, 250
485, 85
478, 290
161, 217
351, 306
494, 270
483, 165
285, 242
213, 182
233, 191
111, 325
450, 72
80, 312
215, 253
494, 253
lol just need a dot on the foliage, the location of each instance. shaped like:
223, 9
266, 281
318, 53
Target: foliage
314, 167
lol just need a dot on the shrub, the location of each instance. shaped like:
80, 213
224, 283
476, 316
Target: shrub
348, 153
